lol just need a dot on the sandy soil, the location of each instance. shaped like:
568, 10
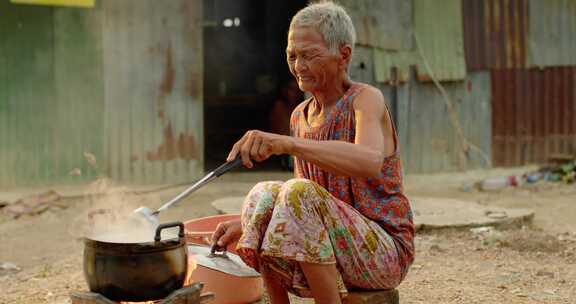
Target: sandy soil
526, 265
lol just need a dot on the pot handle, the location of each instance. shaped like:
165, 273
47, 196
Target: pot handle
158, 235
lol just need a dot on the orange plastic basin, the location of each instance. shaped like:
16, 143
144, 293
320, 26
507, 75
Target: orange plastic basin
227, 288
199, 231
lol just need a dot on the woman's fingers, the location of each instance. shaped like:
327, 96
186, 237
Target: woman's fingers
263, 151
246, 148
236, 149
232, 233
226, 233
239, 147
226, 238
220, 230
254, 151
255, 145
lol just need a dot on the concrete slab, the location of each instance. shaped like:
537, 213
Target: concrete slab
441, 213
229, 205
432, 213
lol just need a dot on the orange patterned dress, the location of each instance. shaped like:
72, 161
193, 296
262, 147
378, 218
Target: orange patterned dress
363, 225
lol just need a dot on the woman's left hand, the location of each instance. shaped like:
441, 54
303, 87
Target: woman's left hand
259, 146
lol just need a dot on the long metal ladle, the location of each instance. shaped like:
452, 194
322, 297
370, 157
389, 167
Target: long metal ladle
152, 216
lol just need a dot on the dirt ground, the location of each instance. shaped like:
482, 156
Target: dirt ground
535, 264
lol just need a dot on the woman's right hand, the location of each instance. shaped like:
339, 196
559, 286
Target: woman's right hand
227, 233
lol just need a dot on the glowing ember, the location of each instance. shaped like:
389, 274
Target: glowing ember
191, 267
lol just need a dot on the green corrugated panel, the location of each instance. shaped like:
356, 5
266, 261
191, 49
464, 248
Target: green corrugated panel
552, 33
384, 61
438, 36
50, 95
385, 24
27, 110
122, 81
79, 84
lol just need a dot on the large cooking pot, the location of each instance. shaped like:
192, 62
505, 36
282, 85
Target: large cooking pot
137, 272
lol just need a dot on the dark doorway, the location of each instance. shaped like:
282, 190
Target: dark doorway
244, 67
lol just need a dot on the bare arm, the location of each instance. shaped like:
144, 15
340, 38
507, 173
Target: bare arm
373, 141
363, 158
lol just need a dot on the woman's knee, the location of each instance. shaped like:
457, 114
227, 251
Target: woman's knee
261, 197
298, 192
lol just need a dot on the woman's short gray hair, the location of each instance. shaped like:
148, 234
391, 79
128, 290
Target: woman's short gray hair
330, 20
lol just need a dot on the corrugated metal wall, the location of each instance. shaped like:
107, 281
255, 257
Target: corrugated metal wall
428, 140
438, 45
385, 24
153, 65
552, 38
122, 81
534, 111
50, 94
495, 33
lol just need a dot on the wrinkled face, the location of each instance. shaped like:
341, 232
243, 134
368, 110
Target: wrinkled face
310, 60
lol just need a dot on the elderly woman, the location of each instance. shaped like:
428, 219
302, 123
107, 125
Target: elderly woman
343, 222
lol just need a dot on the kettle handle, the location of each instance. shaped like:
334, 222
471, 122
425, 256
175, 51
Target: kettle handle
158, 235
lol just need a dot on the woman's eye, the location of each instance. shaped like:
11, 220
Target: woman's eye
310, 56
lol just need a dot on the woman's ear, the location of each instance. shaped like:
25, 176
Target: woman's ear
345, 55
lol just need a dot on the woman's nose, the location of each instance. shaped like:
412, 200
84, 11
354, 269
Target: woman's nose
300, 65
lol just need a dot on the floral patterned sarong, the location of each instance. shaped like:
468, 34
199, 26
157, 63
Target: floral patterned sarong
299, 221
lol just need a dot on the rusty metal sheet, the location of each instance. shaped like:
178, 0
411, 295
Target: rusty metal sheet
154, 113
439, 48
385, 24
533, 114
495, 33
552, 33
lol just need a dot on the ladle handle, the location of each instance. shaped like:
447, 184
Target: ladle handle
206, 179
228, 166
158, 235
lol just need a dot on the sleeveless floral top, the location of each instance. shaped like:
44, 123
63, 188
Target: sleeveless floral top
379, 199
